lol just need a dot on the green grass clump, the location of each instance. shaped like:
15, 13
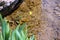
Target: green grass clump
19, 33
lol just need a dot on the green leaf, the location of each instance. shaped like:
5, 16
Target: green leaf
22, 27
7, 32
32, 37
19, 35
13, 35
1, 36
5, 28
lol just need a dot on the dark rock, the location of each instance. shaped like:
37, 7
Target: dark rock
7, 8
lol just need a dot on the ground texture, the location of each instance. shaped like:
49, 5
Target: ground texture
29, 12
42, 18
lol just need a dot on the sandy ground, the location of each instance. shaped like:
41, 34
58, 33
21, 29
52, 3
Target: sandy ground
51, 13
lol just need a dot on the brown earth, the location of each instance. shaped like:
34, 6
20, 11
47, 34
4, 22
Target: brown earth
30, 12
42, 18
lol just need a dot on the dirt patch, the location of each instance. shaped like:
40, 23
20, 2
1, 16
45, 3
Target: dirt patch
29, 12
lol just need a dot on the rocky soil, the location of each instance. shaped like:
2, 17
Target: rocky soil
42, 18
29, 12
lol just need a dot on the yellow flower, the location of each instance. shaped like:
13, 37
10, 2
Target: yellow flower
30, 13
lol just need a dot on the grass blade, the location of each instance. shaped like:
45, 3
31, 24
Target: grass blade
22, 27
32, 37
5, 28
